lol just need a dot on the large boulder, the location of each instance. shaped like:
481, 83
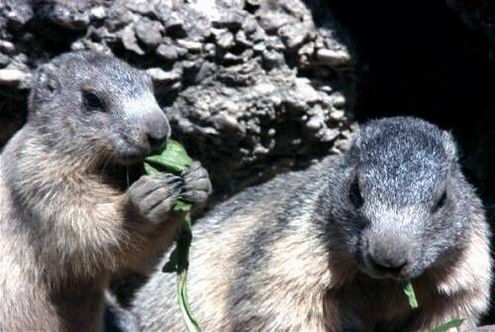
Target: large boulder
251, 87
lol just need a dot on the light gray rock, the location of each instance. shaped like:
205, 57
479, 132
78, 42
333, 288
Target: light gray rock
12, 76
129, 40
149, 31
334, 57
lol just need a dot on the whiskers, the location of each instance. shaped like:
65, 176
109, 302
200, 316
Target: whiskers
104, 167
116, 171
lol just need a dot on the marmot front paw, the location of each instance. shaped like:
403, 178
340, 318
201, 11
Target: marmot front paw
155, 195
197, 185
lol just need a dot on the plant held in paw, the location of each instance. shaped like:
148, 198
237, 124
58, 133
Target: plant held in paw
413, 303
174, 159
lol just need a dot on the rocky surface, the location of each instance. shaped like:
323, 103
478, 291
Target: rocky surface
250, 86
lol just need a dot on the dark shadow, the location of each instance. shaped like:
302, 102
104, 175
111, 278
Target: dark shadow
419, 58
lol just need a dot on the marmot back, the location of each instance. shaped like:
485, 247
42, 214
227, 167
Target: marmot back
330, 248
69, 221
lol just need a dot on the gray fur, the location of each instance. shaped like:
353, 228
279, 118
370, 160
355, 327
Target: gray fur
122, 130
308, 252
69, 222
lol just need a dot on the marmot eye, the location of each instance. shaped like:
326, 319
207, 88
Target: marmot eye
441, 202
92, 101
355, 195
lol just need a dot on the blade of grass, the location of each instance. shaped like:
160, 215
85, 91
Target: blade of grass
411, 296
413, 303
182, 266
452, 324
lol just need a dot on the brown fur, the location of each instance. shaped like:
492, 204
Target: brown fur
67, 224
64, 232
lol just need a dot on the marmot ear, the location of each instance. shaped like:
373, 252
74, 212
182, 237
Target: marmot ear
45, 85
449, 145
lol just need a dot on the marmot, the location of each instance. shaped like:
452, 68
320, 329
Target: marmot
68, 221
331, 248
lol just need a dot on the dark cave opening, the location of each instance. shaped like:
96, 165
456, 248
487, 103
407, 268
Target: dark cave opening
419, 58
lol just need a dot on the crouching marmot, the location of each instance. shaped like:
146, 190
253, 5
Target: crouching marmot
67, 220
330, 248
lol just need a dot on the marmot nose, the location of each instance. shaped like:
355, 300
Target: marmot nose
157, 130
156, 143
384, 264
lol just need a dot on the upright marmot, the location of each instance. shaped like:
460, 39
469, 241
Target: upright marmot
330, 248
67, 220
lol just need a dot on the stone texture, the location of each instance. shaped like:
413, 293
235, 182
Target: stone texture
250, 87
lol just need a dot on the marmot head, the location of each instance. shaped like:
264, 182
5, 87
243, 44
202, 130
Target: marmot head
88, 103
404, 202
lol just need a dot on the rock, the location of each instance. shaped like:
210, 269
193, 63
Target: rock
7, 47
330, 134
223, 121
294, 35
273, 42
272, 59
241, 39
161, 76
129, 40
149, 31
205, 70
225, 40
78, 45
175, 26
315, 122
338, 101
167, 52
143, 7
19, 12
259, 47
272, 21
4, 60
230, 58
303, 93
333, 57
337, 115
118, 17
66, 14
210, 50
190, 45
230, 20
250, 25
12, 76
97, 13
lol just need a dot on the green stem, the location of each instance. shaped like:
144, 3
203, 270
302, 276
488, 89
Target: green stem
183, 245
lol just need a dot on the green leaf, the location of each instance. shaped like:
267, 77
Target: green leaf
409, 291
174, 159
452, 324
183, 245
182, 206
150, 170
191, 323
171, 265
